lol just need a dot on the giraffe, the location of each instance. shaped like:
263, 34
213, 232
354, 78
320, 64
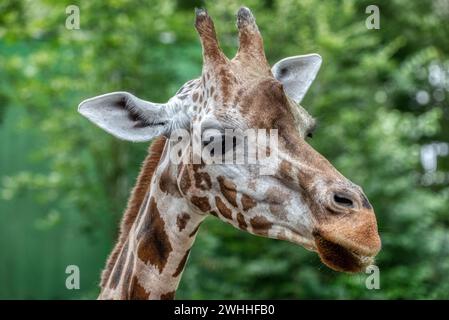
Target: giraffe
305, 200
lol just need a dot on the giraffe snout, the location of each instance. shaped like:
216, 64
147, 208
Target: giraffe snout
346, 237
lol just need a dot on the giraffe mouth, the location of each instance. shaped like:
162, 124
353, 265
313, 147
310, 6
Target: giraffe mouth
340, 258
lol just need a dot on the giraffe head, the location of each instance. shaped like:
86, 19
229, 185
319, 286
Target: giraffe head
304, 200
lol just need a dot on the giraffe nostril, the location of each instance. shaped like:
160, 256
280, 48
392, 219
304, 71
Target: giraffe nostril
343, 200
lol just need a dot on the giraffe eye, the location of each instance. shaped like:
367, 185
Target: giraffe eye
219, 143
214, 140
310, 135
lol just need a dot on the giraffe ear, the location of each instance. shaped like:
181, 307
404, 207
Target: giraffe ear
297, 74
126, 117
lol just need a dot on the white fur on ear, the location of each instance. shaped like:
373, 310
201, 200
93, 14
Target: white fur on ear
297, 74
126, 116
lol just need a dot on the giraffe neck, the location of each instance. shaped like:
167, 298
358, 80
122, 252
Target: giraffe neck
152, 257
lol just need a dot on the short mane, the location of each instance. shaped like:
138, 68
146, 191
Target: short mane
135, 201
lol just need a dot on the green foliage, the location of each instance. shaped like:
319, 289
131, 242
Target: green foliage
64, 183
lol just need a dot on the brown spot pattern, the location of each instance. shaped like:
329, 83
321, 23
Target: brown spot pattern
248, 202
185, 183
277, 210
154, 245
201, 202
228, 189
168, 185
202, 180
225, 211
285, 170
261, 225
241, 221
276, 198
181, 221
137, 292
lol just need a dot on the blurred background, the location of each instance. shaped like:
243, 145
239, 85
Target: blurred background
381, 99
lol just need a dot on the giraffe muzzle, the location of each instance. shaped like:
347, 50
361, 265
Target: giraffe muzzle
340, 258
347, 238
